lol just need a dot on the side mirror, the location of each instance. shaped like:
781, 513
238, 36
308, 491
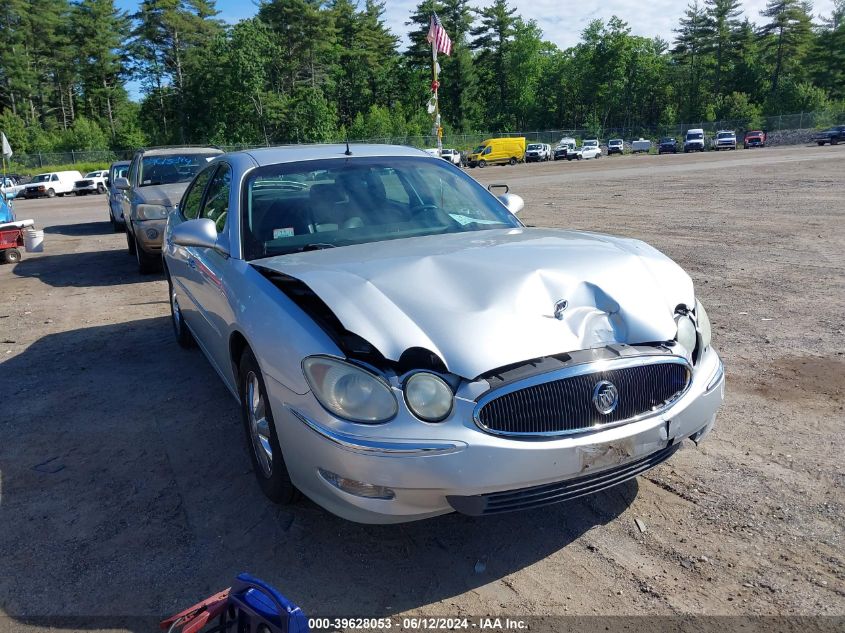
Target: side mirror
122, 184
200, 232
513, 202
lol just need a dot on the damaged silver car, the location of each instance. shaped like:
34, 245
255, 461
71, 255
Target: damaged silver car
402, 346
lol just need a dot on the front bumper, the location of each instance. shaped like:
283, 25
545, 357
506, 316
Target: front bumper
149, 234
430, 466
85, 189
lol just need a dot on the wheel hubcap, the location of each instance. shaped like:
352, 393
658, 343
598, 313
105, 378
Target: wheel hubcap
259, 425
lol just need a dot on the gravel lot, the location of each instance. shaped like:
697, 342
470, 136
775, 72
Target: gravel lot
125, 486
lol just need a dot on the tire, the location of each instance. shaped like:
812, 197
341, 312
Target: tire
260, 429
180, 329
101, 189
130, 241
51, 193
821, 143
482, 164
834, 141
147, 264
11, 256
512, 161
116, 226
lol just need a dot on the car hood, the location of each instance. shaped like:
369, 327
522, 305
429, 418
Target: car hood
486, 299
166, 195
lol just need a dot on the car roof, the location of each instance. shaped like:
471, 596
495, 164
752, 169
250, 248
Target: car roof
294, 153
166, 151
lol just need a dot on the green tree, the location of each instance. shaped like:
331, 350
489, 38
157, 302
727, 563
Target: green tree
493, 37
721, 26
786, 37
690, 54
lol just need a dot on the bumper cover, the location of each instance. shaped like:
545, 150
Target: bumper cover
455, 466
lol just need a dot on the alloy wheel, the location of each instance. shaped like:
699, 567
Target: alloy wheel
259, 426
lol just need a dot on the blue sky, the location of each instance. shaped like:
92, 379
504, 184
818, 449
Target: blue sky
561, 20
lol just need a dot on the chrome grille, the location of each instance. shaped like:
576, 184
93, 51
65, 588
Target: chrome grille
561, 402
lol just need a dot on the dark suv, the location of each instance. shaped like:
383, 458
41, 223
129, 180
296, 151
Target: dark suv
834, 135
667, 145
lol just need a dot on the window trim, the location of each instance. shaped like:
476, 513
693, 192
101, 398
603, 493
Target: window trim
213, 170
220, 166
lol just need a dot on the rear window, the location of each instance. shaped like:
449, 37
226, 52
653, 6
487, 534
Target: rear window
173, 168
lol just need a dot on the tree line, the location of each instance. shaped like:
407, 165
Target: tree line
312, 70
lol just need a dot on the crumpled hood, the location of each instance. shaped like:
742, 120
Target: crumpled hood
166, 195
486, 299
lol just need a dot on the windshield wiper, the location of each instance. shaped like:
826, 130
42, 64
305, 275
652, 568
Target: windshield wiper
317, 246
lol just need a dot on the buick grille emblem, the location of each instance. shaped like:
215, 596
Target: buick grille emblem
605, 397
560, 308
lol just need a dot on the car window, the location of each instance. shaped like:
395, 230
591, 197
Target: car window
216, 206
54, 178
487, 150
133, 171
292, 207
171, 168
193, 197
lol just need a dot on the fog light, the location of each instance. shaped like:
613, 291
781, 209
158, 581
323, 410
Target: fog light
152, 234
357, 488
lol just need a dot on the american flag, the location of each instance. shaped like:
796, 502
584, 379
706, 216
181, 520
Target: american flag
437, 35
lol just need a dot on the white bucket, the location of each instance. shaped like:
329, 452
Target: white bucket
33, 241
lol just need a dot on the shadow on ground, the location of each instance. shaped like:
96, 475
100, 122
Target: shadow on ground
133, 495
90, 269
81, 229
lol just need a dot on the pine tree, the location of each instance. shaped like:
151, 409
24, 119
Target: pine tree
786, 37
492, 39
721, 25
689, 52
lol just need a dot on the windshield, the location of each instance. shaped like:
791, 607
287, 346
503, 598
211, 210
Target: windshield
725, 135
667, 140
615, 141
695, 136
166, 170
535, 146
590, 143
92, 174
479, 149
41, 178
295, 207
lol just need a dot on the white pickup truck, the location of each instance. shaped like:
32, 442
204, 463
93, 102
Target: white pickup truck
94, 182
10, 188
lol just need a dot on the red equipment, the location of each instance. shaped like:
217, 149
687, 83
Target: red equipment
11, 240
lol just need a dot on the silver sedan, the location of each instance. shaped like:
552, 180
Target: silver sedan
402, 346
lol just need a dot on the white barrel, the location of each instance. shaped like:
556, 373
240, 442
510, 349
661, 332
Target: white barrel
33, 241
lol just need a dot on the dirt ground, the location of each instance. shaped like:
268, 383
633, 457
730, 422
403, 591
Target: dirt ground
125, 486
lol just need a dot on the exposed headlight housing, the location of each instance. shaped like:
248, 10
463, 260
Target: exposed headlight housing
428, 397
686, 331
348, 391
151, 212
703, 322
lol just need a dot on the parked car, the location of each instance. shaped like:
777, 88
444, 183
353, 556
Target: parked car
725, 139
156, 180
667, 145
537, 152
589, 149
306, 276
833, 135
51, 184
756, 138
694, 140
117, 170
94, 182
563, 148
451, 155
615, 146
10, 187
641, 146
510, 150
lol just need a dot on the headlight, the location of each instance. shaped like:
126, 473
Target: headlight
428, 397
151, 212
349, 391
686, 332
704, 329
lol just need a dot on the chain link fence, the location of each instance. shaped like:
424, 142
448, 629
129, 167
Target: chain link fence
800, 126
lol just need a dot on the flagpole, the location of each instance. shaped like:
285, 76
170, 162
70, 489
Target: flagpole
436, 86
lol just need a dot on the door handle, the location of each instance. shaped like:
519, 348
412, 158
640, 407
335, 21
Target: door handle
192, 263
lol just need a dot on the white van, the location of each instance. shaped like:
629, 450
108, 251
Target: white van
55, 183
694, 140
